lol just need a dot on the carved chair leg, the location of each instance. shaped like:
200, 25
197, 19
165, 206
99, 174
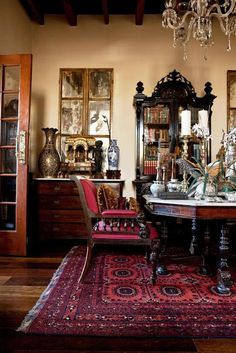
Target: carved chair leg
86, 262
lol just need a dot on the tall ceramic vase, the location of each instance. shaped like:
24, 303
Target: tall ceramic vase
49, 160
113, 155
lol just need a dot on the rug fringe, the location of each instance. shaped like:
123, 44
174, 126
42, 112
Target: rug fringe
33, 313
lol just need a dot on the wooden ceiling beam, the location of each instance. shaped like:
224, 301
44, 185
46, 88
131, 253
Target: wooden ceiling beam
105, 11
139, 12
71, 16
33, 11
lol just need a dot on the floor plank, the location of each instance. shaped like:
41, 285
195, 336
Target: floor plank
22, 280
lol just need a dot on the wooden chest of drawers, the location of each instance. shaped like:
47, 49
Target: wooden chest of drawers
59, 210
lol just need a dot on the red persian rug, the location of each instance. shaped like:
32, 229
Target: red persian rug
117, 299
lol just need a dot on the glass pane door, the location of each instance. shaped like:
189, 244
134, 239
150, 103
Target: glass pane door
10, 84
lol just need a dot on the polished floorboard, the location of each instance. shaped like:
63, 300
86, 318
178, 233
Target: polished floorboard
23, 279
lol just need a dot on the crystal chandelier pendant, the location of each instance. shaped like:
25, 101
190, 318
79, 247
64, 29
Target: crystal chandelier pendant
194, 19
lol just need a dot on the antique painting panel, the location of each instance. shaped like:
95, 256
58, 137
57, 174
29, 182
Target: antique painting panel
100, 84
99, 118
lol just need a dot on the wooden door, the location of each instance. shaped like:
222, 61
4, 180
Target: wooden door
15, 84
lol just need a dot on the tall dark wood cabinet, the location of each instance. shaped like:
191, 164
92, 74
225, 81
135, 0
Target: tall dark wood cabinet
158, 122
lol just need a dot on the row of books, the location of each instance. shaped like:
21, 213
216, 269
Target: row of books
157, 115
149, 167
153, 135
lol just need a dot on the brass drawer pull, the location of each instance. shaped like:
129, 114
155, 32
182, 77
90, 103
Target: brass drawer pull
56, 202
55, 229
57, 188
56, 216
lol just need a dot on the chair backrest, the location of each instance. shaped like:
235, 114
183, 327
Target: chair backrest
88, 193
88, 198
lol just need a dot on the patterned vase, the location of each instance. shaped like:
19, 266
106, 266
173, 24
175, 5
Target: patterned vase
230, 161
49, 160
156, 187
113, 155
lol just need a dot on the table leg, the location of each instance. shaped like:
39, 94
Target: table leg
223, 271
161, 268
204, 269
194, 243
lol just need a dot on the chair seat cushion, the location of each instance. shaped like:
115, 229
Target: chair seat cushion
119, 213
115, 236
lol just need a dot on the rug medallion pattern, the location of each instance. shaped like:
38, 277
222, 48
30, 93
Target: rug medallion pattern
117, 299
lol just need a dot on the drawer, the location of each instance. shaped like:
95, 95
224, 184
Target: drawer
59, 202
57, 188
62, 230
61, 216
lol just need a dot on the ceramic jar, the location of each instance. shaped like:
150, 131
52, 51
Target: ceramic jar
174, 185
49, 160
156, 187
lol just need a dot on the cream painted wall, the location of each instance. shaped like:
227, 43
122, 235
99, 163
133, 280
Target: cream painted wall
15, 29
135, 52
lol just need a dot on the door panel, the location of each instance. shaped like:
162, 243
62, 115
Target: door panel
15, 84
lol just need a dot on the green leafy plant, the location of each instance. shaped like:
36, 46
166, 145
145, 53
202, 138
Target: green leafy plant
213, 174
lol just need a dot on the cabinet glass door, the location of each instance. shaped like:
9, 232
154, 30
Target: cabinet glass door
156, 136
15, 76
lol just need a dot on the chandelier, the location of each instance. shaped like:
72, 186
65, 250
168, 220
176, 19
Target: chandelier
194, 17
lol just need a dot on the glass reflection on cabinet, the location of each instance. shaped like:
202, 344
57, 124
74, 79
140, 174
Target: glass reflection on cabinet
12, 78
10, 104
8, 161
7, 217
9, 132
7, 189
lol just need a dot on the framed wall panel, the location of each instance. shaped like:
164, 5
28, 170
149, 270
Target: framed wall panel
231, 99
85, 104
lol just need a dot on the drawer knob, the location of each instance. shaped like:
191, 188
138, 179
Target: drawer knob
55, 229
56, 216
56, 202
57, 188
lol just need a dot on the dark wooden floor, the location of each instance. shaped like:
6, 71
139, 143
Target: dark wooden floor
22, 280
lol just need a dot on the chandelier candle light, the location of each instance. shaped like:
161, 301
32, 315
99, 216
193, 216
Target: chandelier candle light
201, 130
195, 17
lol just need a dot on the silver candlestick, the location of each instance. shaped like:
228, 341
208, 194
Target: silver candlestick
185, 156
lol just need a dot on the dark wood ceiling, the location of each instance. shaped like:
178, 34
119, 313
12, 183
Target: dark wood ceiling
72, 9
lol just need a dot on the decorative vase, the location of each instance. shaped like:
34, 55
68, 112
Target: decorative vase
174, 185
113, 155
156, 187
49, 160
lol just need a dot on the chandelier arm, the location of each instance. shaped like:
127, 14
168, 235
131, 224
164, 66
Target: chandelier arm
189, 32
181, 23
219, 12
225, 30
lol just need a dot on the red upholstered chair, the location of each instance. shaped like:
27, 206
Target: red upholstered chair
114, 226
